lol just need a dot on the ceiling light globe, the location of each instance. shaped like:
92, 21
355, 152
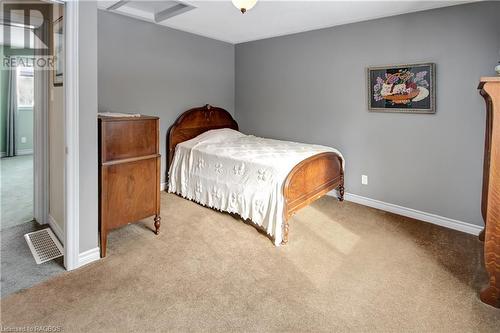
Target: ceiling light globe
244, 5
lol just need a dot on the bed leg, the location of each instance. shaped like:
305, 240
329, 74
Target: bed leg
285, 233
341, 192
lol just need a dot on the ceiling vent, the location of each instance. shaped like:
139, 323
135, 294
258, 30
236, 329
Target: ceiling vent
155, 11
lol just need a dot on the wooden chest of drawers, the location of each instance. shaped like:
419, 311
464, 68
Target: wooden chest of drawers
129, 172
490, 90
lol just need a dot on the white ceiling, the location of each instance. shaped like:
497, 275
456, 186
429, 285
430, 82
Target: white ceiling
221, 20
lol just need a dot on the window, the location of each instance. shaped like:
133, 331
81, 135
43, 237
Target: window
25, 87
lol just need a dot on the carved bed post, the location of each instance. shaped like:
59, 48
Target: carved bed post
286, 228
341, 191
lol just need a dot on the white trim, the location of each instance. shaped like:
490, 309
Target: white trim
56, 228
20, 152
72, 173
41, 146
446, 222
89, 256
413, 213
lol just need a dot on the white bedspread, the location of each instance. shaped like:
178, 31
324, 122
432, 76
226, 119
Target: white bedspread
237, 173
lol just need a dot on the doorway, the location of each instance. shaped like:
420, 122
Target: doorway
17, 105
32, 137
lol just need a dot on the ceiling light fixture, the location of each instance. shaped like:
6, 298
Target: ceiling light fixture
244, 5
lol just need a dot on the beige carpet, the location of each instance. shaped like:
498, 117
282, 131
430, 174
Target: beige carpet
346, 268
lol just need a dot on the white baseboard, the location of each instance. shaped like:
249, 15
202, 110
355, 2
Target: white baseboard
163, 186
89, 256
3, 154
413, 213
56, 229
405, 211
20, 152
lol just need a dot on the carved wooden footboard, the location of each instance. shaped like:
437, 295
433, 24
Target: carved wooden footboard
310, 180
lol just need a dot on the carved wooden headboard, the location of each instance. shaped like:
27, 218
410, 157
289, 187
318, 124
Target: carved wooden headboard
196, 121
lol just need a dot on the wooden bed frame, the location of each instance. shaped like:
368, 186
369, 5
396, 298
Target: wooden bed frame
308, 181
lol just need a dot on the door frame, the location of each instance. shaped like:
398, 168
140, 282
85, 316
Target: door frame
71, 107
41, 147
71, 137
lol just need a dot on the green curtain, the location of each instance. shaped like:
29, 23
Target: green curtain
11, 113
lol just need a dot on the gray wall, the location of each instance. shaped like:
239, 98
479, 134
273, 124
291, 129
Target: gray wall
149, 69
87, 41
311, 87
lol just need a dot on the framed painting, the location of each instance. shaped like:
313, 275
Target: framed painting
58, 42
402, 88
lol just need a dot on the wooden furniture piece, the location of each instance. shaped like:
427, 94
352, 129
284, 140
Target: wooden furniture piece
308, 181
490, 90
129, 172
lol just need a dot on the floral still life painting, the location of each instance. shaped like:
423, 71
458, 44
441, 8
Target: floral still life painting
405, 88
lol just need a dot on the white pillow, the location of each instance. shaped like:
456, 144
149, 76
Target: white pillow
219, 135
213, 136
